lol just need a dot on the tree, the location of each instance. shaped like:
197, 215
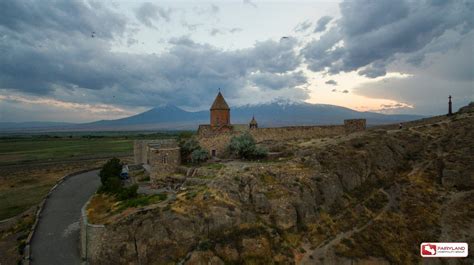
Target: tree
112, 183
244, 146
199, 155
110, 175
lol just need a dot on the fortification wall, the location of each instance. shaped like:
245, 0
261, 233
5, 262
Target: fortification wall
90, 236
295, 132
220, 141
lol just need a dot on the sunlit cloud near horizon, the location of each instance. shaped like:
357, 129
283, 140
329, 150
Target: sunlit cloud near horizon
81, 61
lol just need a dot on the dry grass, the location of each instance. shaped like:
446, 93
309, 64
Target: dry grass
100, 208
397, 234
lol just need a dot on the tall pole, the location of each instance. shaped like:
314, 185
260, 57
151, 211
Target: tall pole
450, 108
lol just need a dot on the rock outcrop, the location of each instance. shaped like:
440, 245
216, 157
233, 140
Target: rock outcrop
267, 212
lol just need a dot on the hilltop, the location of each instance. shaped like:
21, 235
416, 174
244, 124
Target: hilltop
370, 196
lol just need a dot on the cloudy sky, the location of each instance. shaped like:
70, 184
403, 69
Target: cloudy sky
81, 61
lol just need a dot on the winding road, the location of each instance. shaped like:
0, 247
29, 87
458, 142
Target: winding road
56, 240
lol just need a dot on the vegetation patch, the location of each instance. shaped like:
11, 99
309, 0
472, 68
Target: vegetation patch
396, 235
245, 147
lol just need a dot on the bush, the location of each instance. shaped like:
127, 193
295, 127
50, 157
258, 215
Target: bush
199, 155
128, 193
187, 148
112, 183
110, 176
244, 146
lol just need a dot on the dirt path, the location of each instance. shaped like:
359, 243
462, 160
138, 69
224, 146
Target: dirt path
321, 250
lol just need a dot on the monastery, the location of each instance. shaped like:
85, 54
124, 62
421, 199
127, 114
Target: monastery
162, 157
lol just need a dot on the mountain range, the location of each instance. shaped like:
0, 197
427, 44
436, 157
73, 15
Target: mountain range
170, 117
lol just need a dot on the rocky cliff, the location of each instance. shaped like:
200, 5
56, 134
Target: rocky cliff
362, 198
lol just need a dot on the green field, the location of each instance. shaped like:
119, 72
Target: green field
31, 164
26, 149
21, 151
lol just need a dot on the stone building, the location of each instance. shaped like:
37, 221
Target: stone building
253, 123
216, 136
160, 157
163, 161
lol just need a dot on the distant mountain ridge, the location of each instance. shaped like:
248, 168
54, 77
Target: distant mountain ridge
267, 115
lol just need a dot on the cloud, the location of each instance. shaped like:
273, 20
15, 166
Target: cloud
385, 33
427, 88
214, 9
18, 107
331, 82
235, 30
73, 17
322, 23
215, 31
303, 26
374, 70
148, 13
345, 91
70, 66
278, 81
334, 90
250, 3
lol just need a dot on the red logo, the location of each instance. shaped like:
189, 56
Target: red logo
428, 249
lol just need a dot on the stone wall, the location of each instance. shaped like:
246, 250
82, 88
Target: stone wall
354, 125
140, 148
163, 161
90, 237
219, 141
295, 132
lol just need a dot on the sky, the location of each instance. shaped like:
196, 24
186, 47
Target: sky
81, 61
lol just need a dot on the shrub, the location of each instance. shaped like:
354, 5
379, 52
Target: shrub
110, 176
128, 193
187, 147
199, 155
244, 146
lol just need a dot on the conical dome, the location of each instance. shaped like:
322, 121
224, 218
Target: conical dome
219, 103
253, 121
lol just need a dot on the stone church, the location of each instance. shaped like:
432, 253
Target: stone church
162, 157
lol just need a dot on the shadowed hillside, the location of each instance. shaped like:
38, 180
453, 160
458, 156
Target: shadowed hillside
372, 196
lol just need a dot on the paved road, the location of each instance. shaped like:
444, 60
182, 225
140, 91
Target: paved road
56, 240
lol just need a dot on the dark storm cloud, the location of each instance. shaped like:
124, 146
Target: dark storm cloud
67, 63
322, 23
427, 89
148, 13
73, 17
331, 82
386, 30
278, 81
374, 70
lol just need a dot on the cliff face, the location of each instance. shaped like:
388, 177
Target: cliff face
365, 197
